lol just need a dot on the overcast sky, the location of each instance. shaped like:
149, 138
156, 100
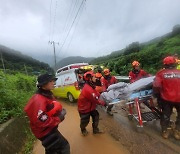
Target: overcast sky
102, 26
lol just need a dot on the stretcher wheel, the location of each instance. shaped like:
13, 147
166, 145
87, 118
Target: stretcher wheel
130, 117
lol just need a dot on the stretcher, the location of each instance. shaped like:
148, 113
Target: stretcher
133, 103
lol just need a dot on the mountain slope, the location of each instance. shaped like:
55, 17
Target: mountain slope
15, 60
149, 54
73, 59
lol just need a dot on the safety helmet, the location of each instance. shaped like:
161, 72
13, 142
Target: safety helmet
169, 60
98, 75
88, 75
44, 79
135, 63
106, 71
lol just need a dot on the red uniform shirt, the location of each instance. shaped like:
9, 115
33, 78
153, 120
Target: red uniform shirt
168, 83
107, 82
134, 77
88, 99
37, 107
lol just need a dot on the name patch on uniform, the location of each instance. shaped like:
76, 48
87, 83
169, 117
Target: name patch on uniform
94, 95
171, 75
42, 116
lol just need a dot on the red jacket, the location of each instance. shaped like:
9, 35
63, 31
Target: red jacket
88, 99
167, 82
134, 77
37, 107
106, 83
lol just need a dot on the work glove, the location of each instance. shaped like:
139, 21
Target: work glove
62, 114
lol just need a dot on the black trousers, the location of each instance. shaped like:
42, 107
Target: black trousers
85, 117
55, 143
167, 108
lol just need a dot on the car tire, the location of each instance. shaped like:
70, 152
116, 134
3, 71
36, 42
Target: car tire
70, 97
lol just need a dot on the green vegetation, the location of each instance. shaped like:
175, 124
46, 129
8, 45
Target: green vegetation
149, 54
15, 90
16, 62
30, 139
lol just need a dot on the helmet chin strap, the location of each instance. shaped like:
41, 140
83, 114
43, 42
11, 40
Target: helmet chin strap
91, 83
170, 66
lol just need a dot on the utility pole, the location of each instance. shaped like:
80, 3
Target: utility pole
53, 43
3, 63
25, 69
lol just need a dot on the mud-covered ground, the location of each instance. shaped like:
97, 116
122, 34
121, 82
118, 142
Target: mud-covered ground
137, 140
90, 144
121, 135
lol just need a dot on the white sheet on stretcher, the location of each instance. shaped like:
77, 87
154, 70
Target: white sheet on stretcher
123, 91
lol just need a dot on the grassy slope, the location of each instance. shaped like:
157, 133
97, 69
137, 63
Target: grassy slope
150, 56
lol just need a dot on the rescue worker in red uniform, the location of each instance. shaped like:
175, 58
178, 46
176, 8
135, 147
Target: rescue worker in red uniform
167, 87
45, 114
98, 83
137, 73
87, 102
106, 81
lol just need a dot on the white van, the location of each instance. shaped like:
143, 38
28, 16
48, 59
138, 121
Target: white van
67, 82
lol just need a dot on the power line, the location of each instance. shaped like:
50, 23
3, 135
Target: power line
54, 21
50, 14
67, 20
71, 16
75, 27
72, 23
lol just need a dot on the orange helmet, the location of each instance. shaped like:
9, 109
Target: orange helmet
98, 75
106, 71
135, 63
88, 75
169, 60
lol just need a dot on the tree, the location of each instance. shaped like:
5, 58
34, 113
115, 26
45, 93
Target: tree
133, 47
176, 30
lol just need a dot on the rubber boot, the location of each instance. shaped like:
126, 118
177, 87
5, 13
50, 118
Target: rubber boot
177, 134
97, 131
84, 132
166, 133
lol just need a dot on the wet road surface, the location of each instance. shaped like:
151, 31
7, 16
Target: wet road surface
90, 144
121, 135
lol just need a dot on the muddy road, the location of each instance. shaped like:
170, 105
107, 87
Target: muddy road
96, 144
121, 135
